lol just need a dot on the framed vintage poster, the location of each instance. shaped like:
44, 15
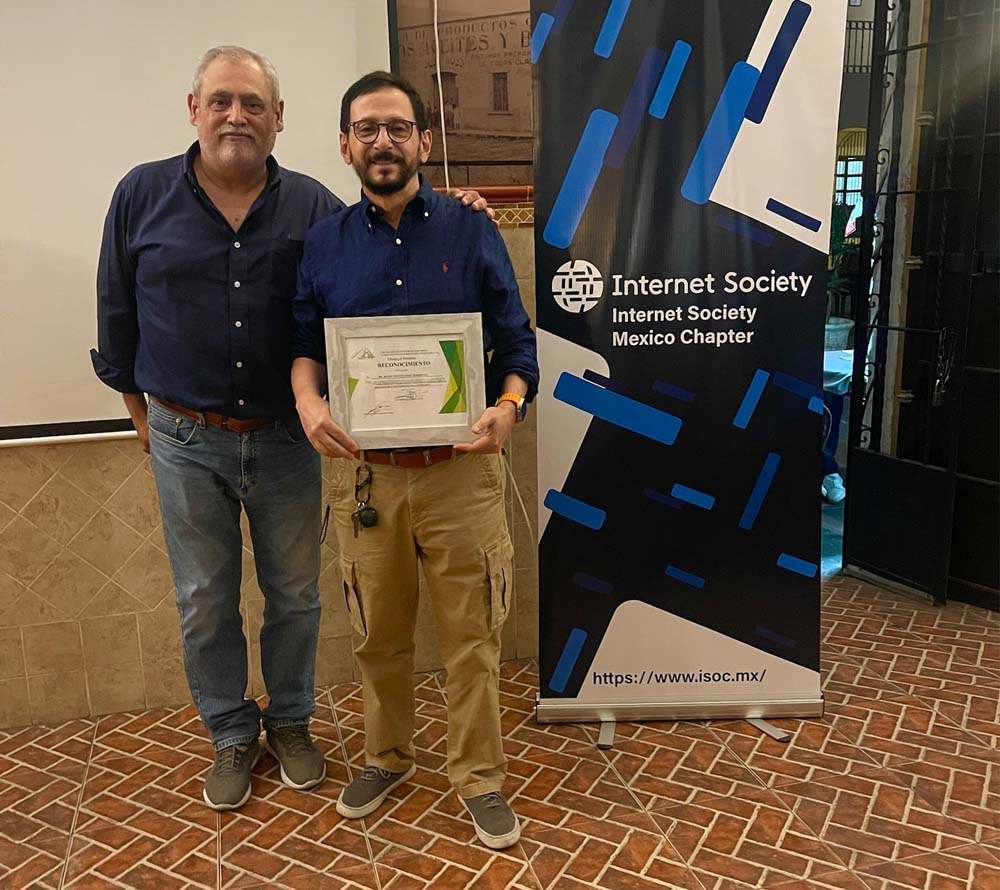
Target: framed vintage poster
406, 380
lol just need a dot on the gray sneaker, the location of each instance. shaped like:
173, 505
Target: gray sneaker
302, 764
365, 794
227, 785
496, 824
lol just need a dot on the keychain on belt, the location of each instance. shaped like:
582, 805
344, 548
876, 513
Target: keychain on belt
364, 515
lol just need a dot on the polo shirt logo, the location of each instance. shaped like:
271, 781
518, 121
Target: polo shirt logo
445, 267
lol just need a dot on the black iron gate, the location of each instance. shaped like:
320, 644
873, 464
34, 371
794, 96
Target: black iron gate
923, 178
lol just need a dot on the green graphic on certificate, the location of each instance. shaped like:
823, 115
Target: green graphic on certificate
454, 353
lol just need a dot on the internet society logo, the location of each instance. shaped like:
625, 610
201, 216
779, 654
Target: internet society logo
577, 286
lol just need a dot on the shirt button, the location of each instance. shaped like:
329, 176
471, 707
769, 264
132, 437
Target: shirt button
398, 241
236, 244
399, 282
241, 402
426, 214
371, 209
239, 324
236, 284
239, 364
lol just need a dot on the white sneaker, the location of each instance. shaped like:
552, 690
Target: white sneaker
833, 489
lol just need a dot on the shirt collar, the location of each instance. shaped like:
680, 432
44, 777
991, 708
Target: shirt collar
273, 170
423, 203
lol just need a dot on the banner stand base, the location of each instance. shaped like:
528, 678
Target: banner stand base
557, 710
779, 735
606, 737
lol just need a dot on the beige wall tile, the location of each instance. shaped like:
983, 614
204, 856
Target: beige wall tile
58, 697
333, 661
166, 684
112, 600
10, 590
521, 247
14, 707
22, 473
136, 503
29, 608
69, 584
106, 542
55, 456
160, 634
526, 287
255, 675
98, 468
60, 509
51, 648
25, 550
6, 515
110, 639
11, 657
117, 688
146, 575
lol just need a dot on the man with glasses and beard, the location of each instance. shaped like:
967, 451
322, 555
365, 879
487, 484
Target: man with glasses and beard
195, 283
403, 250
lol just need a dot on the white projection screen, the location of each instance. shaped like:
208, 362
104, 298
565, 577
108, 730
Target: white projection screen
92, 88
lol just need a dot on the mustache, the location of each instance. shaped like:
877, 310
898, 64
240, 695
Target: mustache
235, 131
384, 157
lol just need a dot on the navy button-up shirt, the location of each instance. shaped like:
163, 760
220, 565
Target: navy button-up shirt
443, 257
188, 310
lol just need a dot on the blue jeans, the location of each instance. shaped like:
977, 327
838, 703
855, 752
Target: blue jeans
204, 474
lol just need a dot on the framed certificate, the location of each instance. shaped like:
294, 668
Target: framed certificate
406, 380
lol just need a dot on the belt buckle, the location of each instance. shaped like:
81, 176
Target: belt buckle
224, 424
427, 456
392, 459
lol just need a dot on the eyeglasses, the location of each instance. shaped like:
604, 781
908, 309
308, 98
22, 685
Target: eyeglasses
398, 130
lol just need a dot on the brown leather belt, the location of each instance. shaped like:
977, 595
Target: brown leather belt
411, 460
233, 424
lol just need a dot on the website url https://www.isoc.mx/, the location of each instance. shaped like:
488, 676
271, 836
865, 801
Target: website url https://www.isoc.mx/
657, 678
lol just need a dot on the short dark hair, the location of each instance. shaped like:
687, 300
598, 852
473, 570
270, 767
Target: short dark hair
380, 80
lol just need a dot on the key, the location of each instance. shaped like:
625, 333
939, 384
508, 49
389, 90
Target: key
356, 521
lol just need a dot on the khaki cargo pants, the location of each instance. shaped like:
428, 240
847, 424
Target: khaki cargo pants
449, 517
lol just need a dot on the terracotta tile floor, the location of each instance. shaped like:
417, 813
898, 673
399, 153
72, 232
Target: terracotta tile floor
898, 786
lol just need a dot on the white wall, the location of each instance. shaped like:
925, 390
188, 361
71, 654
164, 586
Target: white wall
90, 89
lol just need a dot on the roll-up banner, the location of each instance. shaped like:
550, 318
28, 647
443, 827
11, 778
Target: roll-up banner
684, 179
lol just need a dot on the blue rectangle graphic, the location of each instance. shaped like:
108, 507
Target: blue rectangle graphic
635, 107
760, 489
541, 33
754, 391
662, 498
745, 229
693, 496
577, 511
720, 134
799, 566
617, 409
574, 193
664, 94
796, 386
611, 28
676, 392
685, 577
793, 215
589, 582
777, 58
567, 661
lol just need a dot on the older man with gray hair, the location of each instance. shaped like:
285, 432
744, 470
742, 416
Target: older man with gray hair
196, 277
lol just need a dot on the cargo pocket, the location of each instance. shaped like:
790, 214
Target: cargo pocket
500, 566
352, 596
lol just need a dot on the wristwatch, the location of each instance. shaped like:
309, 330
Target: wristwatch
520, 405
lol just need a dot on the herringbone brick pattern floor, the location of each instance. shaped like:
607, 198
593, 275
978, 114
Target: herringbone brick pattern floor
897, 786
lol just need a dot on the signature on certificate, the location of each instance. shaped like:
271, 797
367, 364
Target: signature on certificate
378, 409
409, 396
